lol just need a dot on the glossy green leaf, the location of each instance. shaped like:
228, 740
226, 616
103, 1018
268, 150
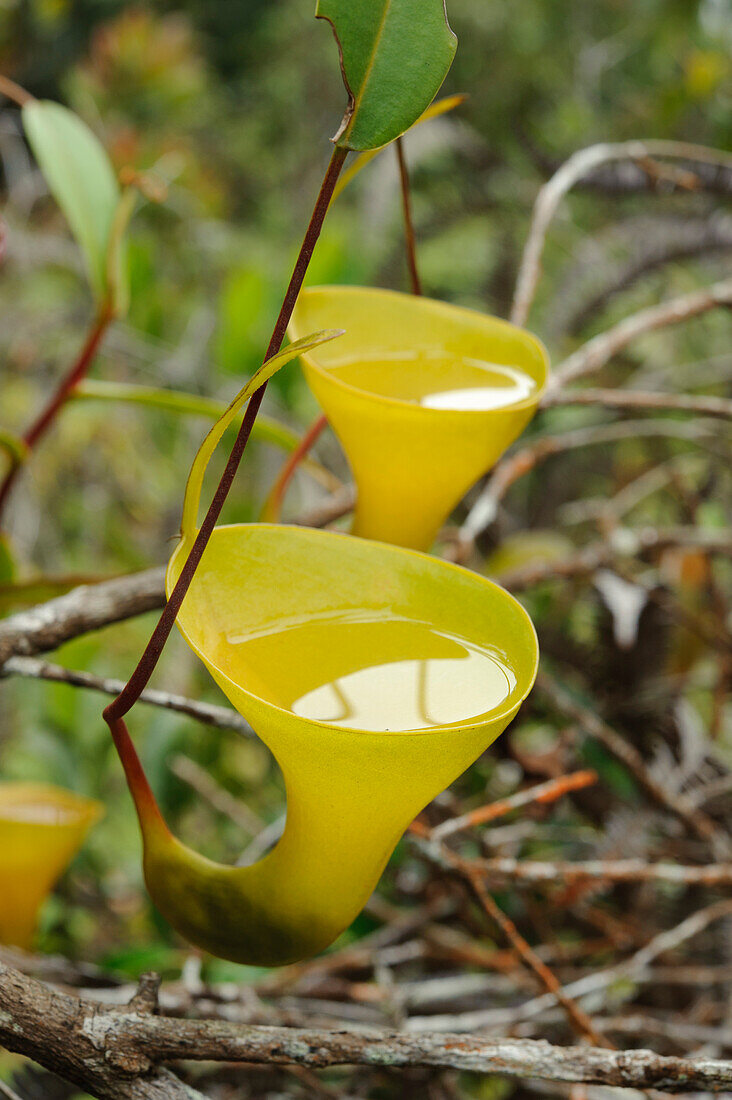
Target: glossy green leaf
395, 54
80, 177
439, 107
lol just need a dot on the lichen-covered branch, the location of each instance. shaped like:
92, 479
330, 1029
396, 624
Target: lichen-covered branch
113, 1053
62, 1034
85, 608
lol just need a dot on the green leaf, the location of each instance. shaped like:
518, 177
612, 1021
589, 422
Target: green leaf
395, 54
80, 177
7, 561
190, 404
439, 107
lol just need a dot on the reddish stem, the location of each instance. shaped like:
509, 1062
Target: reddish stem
141, 675
287, 472
146, 804
14, 91
409, 236
79, 368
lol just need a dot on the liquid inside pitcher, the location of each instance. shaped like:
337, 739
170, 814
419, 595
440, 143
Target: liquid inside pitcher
371, 670
436, 380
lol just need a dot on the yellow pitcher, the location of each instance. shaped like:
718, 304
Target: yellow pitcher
424, 397
41, 830
278, 614
375, 674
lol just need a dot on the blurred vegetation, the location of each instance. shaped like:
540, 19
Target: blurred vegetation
232, 104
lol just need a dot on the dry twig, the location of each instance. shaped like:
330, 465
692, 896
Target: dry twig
582, 164
695, 820
520, 463
542, 794
593, 355
653, 402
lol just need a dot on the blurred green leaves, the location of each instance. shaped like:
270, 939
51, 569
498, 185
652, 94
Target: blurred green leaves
81, 178
394, 55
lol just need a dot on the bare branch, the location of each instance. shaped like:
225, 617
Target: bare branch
68, 1037
332, 508
541, 793
624, 542
113, 1053
633, 399
597, 352
696, 821
646, 244
611, 871
223, 718
596, 982
218, 797
520, 463
86, 608
577, 167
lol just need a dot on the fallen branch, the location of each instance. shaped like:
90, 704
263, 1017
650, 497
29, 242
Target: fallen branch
611, 871
67, 1036
632, 969
117, 1054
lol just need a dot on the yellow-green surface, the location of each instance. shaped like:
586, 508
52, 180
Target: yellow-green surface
350, 793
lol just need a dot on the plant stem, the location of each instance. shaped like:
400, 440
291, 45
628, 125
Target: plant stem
408, 223
279, 489
78, 369
141, 675
14, 91
286, 474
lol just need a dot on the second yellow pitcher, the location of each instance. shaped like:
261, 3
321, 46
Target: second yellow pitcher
424, 396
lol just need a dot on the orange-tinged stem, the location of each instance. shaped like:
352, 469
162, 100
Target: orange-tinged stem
273, 507
148, 812
543, 793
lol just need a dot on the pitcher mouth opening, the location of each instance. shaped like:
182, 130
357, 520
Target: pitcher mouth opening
433, 306
505, 709
43, 804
